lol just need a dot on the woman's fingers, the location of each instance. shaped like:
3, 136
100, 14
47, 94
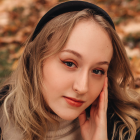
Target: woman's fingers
106, 93
99, 105
97, 123
103, 100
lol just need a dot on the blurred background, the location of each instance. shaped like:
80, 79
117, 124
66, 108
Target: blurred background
18, 18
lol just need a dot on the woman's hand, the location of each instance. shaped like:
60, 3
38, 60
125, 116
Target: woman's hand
95, 128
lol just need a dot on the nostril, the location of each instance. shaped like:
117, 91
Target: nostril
80, 89
80, 84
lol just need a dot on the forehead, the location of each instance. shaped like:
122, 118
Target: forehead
89, 39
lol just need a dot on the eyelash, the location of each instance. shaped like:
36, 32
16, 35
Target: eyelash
94, 71
66, 62
102, 71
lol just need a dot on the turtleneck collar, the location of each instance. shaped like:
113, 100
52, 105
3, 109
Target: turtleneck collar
65, 127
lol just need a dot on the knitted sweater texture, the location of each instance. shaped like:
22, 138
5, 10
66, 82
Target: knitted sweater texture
67, 130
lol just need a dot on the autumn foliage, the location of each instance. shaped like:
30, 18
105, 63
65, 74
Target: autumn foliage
18, 19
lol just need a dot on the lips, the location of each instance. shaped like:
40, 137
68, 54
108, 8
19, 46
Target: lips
73, 102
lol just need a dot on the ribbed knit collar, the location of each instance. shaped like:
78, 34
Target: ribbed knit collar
65, 127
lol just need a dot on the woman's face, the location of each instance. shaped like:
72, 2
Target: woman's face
74, 77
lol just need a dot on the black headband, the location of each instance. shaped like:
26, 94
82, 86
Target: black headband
68, 7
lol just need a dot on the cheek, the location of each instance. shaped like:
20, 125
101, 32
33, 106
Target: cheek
51, 78
55, 78
95, 89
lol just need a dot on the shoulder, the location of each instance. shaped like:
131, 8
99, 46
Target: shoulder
3, 93
10, 132
112, 117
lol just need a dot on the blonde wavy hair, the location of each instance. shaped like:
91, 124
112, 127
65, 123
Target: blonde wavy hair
27, 109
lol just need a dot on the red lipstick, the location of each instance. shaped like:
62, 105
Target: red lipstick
74, 102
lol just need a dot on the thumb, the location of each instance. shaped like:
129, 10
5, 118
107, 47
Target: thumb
82, 118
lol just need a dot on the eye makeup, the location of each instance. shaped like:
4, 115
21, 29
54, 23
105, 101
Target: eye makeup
99, 71
69, 63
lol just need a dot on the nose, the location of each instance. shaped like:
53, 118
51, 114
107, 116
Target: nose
80, 84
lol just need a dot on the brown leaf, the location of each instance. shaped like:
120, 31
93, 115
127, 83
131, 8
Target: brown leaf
4, 18
133, 52
135, 67
14, 66
51, 3
130, 27
18, 54
6, 39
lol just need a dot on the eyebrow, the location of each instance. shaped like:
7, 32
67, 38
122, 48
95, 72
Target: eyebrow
73, 52
103, 63
79, 56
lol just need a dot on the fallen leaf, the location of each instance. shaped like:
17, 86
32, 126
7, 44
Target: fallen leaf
133, 52
4, 18
135, 67
7, 39
130, 27
51, 3
14, 66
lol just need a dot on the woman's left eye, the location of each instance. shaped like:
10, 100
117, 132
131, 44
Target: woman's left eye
98, 72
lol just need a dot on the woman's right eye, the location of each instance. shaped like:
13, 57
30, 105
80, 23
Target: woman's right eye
69, 64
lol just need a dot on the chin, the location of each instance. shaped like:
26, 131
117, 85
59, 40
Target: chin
68, 116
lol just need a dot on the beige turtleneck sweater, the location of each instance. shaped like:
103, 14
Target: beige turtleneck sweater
68, 130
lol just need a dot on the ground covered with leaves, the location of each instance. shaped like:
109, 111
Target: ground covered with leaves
18, 19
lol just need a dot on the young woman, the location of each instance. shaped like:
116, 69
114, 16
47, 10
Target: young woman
72, 81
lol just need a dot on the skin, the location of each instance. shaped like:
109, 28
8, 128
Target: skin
79, 71
95, 128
